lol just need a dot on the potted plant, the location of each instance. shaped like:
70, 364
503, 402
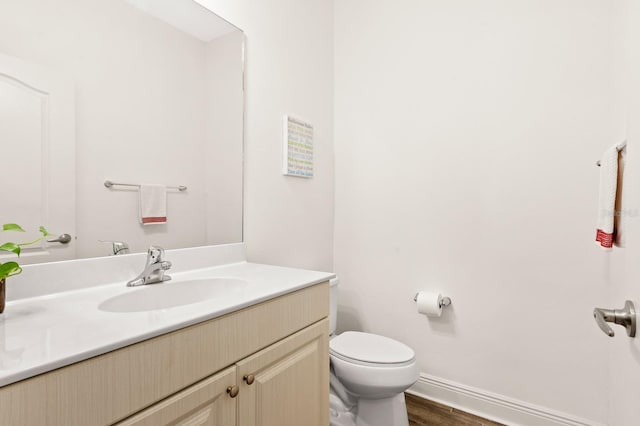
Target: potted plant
8, 269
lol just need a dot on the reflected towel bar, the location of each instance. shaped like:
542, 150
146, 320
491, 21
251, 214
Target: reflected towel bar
618, 147
109, 184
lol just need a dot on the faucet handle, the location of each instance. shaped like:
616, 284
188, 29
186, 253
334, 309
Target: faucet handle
155, 254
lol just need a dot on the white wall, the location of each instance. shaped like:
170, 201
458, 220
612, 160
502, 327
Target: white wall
466, 135
289, 70
223, 166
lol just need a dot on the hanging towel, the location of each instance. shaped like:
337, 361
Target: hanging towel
153, 204
607, 214
620, 218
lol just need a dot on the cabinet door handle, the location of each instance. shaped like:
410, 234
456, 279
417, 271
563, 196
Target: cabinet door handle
249, 378
233, 391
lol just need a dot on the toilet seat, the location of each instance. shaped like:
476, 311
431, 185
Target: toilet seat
370, 350
334, 355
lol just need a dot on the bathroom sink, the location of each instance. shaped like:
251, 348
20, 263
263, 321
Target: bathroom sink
173, 294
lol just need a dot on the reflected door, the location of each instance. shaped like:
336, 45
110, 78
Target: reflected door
37, 148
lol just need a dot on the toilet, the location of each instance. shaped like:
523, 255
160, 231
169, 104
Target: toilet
369, 374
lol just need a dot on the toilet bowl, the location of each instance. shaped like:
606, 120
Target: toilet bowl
369, 374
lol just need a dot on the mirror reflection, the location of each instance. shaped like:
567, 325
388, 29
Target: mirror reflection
141, 92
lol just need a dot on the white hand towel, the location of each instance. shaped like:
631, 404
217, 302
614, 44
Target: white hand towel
153, 204
605, 233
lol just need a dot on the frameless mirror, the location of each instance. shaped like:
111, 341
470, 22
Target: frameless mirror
130, 91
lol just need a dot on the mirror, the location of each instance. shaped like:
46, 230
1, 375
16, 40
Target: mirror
131, 91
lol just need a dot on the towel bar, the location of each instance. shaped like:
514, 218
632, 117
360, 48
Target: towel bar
109, 184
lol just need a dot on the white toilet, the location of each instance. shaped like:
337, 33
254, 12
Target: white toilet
369, 374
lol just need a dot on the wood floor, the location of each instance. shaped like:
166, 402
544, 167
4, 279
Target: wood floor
423, 412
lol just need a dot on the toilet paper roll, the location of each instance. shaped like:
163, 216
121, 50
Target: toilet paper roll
429, 304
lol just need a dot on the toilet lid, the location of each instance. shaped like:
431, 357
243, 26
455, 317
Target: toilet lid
367, 347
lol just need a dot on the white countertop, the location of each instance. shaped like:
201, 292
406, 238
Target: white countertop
42, 333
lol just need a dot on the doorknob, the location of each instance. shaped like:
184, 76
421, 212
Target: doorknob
625, 317
62, 239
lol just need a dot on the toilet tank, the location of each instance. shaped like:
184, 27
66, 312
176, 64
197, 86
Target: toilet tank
333, 304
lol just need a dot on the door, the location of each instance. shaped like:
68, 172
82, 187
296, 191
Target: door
37, 148
624, 352
207, 403
287, 384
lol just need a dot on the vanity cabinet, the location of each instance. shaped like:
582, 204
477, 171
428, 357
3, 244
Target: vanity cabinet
273, 354
281, 385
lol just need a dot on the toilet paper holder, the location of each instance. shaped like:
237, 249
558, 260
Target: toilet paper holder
446, 301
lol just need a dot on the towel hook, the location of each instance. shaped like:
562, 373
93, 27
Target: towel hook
619, 147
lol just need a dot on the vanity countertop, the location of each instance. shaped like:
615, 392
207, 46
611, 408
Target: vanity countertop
39, 334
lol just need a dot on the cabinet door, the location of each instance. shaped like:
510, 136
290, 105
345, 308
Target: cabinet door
289, 381
205, 403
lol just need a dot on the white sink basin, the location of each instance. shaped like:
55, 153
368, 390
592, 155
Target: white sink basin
172, 294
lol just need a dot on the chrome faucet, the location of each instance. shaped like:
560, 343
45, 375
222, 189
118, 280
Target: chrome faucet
153, 270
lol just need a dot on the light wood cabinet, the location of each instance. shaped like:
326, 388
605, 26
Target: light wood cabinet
206, 403
287, 383
181, 378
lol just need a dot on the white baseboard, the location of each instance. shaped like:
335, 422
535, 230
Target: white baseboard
492, 406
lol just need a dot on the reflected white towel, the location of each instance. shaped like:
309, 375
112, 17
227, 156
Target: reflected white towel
609, 201
153, 204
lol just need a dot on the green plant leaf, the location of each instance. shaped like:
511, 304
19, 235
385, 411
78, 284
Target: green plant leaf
12, 247
8, 269
12, 227
44, 232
